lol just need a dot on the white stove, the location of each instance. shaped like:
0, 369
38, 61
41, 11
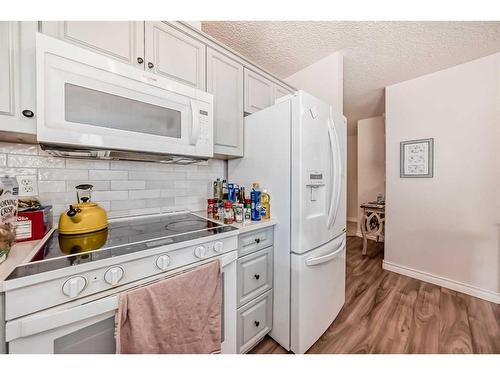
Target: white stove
64, 300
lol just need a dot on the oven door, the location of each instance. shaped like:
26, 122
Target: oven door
87, 100
89, 328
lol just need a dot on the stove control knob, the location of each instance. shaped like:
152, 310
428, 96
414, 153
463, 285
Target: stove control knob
113, 275
74, 286
162, 262
200, 252
218, 247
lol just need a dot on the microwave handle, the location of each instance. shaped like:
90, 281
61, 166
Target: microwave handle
195, 123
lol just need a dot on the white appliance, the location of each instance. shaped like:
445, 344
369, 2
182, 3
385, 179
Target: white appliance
92, 106
296, 149
66, 303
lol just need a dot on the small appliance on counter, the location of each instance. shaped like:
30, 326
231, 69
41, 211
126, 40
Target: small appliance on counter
84, 217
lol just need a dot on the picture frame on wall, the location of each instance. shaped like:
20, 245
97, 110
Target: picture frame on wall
417, 158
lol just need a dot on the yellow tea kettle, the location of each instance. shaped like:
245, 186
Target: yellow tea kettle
85, 216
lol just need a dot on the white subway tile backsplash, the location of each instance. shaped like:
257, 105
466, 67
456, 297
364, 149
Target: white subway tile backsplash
96, 185
116, 195
154, 175
128, 185
87, 164
17, 171
108, 175
128, 204
162, 184
141, 194
18, 148
31, 161
63, 174
51, 187
123, 188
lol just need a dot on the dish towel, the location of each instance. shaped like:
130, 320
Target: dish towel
181, 314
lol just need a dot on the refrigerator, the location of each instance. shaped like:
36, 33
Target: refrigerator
296, 149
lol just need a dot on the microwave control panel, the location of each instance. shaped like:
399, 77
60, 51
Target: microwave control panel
204, 133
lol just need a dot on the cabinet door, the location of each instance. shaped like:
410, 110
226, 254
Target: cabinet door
259, 92
17, 80
121, 40
175, 55
225, 82
280, 91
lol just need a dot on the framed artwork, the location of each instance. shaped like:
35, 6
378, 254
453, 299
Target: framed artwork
417, 158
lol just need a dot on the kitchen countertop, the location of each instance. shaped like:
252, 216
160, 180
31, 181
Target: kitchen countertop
21, 252
244, 227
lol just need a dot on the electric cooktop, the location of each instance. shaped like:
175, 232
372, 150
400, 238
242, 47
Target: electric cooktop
120, 238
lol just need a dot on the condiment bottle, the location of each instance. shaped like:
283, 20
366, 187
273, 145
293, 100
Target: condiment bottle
266, 205
228, 212
256, 202
247, 213
210, 208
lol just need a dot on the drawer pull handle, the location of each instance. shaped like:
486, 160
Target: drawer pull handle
257, 276
257, 240
150, 65
257, 323
140, 60
28, 113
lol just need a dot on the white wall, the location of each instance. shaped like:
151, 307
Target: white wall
323, 79
352, 178
371, 160
446, 229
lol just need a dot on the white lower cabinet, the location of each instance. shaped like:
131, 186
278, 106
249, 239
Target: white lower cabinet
17, 81
255, 275
255, 320
254, 289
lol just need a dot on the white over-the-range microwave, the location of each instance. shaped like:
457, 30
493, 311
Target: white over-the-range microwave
92, 106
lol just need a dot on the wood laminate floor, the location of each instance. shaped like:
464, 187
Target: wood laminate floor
390, 313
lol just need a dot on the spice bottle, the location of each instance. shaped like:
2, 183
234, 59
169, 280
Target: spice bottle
228, 212
210, 208
247, 213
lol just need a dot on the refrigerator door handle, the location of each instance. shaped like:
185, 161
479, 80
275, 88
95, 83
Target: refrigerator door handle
337, 165
326, 258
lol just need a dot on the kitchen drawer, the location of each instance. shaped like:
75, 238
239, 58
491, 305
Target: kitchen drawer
255, 240
255, 320
255, 275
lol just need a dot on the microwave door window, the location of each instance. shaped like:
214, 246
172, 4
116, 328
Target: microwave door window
92, 107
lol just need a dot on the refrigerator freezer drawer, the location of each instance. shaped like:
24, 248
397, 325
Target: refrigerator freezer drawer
317, 293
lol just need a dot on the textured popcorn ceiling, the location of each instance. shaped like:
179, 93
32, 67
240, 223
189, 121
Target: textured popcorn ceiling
376, 54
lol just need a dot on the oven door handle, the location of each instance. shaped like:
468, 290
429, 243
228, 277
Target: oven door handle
30, 326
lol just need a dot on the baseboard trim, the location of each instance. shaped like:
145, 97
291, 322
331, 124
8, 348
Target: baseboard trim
458, 286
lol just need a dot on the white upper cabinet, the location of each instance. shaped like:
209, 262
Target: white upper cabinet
17, 80
175, 55
259, 92
122, 40
225, 82
280, 91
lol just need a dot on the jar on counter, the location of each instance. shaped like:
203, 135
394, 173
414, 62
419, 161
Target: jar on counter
210, 208
238, 212
228, 212
247, 211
